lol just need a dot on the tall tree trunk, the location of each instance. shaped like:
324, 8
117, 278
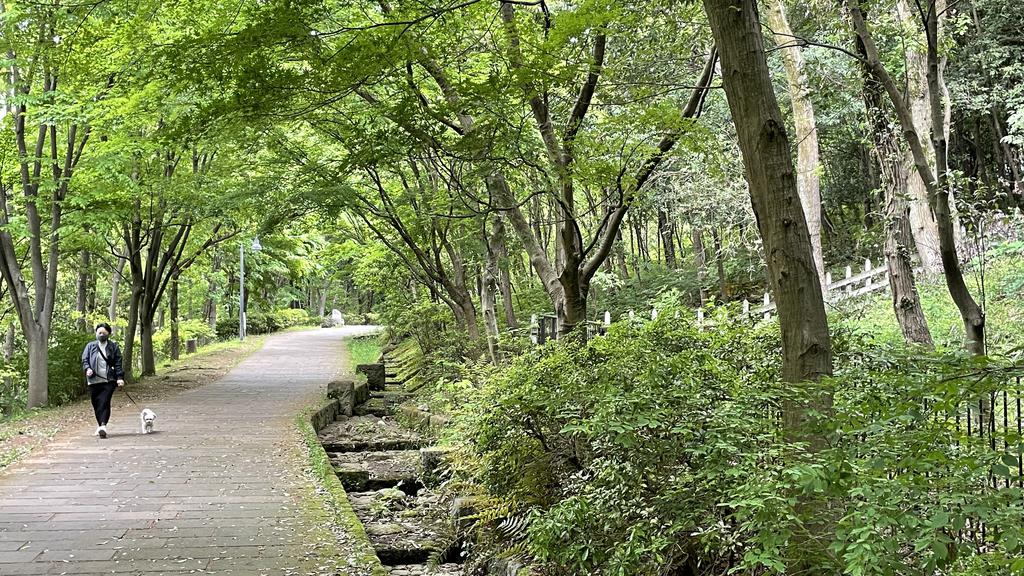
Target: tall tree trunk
82, 295
321, 304
90, 296
905, 300
38, 341
808, 181
147, 322
723, 287
489, 288
9, 354
906, 303
806, 346
504, 277
134, 303
115, 283
922, 217
700, 262
620, 256
210, 302
175, 336
665, 231
41, 210
938, 186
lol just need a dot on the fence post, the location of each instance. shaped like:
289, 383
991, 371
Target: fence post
746, 307
631, 315
607, 318
767, 301
827, 288
542, 329
534, 330
849, 274
700, 316
867, 270
654, 313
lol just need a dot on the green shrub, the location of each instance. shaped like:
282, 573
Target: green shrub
657, 449
290, 317
66, 380
264, 322
227, 328
187, 330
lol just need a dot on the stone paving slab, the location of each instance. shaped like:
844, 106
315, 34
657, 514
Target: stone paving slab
216, 490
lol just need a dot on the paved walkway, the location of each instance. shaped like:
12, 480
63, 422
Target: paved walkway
216, 489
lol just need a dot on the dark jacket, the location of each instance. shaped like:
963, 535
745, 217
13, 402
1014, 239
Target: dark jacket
91, 359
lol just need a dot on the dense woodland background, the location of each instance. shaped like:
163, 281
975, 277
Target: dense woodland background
452, 169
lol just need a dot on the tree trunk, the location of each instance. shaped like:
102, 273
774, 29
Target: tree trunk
210, 302
700, 262
905, 300
806, 346
81, 299
38, 341
620, 256
115, 283
146, 341
489, 287
504, 277
808, 181
771, 178
90, 297
134, 303
723, 287
665, 231
175, 336
922, 217
322, 302
8, 355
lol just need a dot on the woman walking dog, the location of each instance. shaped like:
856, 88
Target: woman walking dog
101, 361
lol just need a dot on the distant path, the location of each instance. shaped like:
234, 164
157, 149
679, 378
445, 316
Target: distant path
218, 489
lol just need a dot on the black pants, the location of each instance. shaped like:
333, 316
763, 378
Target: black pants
101, 395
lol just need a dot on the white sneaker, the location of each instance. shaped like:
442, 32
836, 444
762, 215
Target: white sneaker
102, 431
97, 432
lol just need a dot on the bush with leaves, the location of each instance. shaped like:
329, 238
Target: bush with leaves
657, 450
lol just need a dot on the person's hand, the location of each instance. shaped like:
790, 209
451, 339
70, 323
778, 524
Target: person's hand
120, 382
88, 372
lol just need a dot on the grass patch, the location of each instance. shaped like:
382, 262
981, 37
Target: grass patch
363, 350
1004, 310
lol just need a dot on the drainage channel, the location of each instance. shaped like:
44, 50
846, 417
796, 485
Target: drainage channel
380, 464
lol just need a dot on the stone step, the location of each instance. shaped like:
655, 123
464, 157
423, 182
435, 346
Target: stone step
395, 395
371, 471
373, 445
368, 433
424, 570
375, 407
404, 529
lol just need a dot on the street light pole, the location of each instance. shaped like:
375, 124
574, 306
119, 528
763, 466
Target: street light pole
241, 292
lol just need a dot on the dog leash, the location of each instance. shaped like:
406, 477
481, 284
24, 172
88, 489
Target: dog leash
128, 395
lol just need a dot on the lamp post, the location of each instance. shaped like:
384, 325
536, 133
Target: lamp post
256, 247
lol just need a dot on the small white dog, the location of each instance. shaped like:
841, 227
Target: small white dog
147, 417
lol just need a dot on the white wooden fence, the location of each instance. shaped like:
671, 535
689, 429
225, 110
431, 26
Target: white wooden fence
870, 279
